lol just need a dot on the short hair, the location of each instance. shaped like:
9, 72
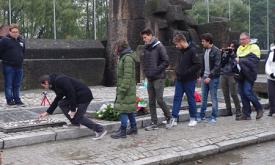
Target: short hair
44, 78
121, 44
179, 37
208, 37
245, 34
147, 32
13, 26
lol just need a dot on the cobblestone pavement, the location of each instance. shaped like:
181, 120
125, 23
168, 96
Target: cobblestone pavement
139, 148
32, 98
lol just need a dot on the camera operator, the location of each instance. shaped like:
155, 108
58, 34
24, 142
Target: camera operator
228, 83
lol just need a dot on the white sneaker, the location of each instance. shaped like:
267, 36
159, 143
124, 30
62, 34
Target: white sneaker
99, 135
192, 123
173, 122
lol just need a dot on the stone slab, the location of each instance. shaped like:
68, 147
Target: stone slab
230, 144
24, 120
72, 133
266, 136
28, 139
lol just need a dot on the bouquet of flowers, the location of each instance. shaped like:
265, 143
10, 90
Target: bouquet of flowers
141, 106
106, 112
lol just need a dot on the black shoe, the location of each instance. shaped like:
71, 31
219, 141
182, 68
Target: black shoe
10, 103
244, 118
19, 103
259, 114
132, 131
270, 114
120, 134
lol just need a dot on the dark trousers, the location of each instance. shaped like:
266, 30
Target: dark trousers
13, 77
247, 96
155, 91
79, 117
124, 117
271, 95
188, 88
229, 87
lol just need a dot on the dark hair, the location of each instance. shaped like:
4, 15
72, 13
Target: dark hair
44, 78
147, 32
179, 37
208, 37
235, 43
121, 45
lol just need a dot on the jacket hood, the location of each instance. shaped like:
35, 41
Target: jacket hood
153, 43
129, 52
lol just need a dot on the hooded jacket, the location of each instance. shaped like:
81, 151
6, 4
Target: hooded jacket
69, 88
126, 82
154, 60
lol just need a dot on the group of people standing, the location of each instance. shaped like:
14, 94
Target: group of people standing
236, 67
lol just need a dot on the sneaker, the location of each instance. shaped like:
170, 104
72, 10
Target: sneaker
19, 103
100, 135
151, 127
173, 122
200, 119
270, 114
212, 121
259, 114
192, 123
11, 103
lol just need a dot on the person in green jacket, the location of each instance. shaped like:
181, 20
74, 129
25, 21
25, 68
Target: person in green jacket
125, 102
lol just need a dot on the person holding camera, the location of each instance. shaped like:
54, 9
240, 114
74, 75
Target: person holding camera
228, 83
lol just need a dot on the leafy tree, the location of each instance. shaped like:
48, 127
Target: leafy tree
74, 18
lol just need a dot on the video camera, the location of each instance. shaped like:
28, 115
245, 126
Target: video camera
227, 51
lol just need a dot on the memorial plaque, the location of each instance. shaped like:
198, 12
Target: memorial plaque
24, 120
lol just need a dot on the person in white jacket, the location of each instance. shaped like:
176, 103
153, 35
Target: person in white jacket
270, 72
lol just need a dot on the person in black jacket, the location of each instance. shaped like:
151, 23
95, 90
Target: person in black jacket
12, 49
73, 97
210, 74
228, 83
187, 70
154, 62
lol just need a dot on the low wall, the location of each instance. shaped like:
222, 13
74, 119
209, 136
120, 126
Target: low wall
82, 59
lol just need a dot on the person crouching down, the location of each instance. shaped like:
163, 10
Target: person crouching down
125, 102
73, 97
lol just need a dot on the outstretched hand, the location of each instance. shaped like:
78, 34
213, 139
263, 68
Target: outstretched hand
42, 115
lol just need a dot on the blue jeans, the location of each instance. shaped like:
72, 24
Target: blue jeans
13, 77
247, 96
124, 119
180, 89
211, 87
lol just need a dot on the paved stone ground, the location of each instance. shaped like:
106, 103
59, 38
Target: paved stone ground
146, 147
156, 147
32, 98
